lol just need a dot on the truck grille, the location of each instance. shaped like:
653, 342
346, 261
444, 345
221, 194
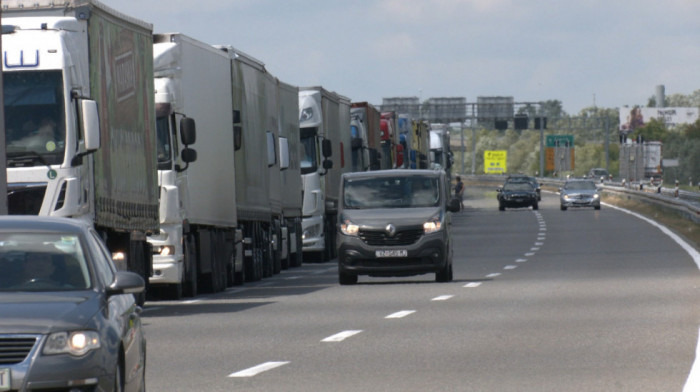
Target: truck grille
25, 199
14, 350
381, 238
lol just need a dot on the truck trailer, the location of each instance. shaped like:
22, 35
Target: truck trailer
80, 120
369, 118
324, 119
199, 239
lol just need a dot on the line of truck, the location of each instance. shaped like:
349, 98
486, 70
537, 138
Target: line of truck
197, 167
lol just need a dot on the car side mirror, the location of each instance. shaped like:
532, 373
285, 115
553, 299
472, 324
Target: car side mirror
126, 282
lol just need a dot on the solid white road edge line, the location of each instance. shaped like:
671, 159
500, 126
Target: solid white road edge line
255, 370
693, 382
339, 337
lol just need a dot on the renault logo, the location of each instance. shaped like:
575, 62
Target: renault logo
390, 230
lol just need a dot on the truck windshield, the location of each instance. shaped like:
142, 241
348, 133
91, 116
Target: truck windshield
308, 154
163, 143
391, 192
34, 118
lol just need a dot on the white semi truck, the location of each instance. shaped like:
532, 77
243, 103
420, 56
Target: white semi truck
199, 238
80, 120
324, 119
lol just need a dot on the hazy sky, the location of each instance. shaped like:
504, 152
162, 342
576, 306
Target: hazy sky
611, 53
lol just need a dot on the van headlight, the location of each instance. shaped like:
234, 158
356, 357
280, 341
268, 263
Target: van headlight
349, 228
433, 225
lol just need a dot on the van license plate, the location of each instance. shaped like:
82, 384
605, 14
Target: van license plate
391, 253
5, 380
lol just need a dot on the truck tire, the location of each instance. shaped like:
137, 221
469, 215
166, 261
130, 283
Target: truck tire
189, 287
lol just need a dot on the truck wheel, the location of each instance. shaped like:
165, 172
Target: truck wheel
189, 288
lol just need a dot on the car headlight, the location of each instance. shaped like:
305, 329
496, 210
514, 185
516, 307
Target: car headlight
349, 228
566, 197
433, 225
76, 343
596, 196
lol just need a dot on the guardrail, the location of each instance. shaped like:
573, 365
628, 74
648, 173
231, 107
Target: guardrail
685, 203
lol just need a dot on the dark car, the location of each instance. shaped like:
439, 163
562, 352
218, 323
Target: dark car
68, 318
517, 194
526, 178
395, 223
579, 193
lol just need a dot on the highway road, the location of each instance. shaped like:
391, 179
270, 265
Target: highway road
544, 300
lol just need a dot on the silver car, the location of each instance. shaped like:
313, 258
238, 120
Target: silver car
69, 320
579, 193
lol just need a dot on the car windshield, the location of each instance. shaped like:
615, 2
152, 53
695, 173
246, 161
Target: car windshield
42, 262
518, 186
580, 185
391, 192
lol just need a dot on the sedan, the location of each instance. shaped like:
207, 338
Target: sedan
579, 193
516, 195
69, 318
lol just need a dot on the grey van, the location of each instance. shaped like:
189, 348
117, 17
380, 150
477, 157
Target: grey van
395, 223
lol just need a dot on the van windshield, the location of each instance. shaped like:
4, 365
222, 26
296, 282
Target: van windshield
391, 192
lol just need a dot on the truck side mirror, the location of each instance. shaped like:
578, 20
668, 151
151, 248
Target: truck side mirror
91, 124
327, 164
284, 153
237, 137
326, 148
188, 155
188, 131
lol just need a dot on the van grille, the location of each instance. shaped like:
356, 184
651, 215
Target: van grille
381, 238
14, 350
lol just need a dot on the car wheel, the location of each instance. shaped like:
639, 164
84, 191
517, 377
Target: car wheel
563, 208
535, 206
346, 279
596, 207
501, 207
118, 378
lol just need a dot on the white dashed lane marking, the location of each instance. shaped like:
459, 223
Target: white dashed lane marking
339, 337
400, 314
442, 298
255, 370
472, 285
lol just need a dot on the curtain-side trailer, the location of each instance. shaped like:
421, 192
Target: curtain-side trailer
79, 118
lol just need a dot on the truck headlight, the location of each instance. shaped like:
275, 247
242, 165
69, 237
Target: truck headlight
76, 343
349, 228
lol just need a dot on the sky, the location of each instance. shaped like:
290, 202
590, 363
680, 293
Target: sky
584, 53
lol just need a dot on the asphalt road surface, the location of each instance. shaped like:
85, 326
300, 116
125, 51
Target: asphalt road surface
544, 300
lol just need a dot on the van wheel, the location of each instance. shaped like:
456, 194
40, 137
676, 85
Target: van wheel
445, 274
346, 279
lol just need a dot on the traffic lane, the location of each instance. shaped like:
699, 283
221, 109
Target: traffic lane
613, 295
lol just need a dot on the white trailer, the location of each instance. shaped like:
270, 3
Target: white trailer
324, 119
199, 240
79, 120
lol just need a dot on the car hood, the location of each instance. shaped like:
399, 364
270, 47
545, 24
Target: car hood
46, 312
588, 192
380, 217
